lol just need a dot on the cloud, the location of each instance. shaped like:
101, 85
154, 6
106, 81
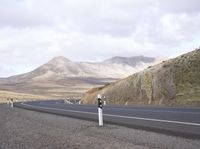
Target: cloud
6, 71
34, 31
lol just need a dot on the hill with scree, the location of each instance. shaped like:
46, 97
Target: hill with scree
61, 77
172, 82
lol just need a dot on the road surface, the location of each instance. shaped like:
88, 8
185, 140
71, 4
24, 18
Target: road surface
171, 120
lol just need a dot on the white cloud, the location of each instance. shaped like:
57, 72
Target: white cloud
32, 32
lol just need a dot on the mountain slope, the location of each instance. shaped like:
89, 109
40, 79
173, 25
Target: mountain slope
176, 81
61, 77
117, 67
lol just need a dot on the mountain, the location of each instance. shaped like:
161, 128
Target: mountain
61, 77
172, 82
131, 61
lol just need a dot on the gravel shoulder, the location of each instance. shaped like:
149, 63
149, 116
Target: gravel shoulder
23, 129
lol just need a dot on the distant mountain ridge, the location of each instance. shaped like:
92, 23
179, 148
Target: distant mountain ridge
63, 74
131, 61
172, 82
116, 67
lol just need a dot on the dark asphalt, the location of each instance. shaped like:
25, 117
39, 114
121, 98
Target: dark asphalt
183, 122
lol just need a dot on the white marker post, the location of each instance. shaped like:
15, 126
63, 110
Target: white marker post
11, 104
7, 101
104, 100
100, 112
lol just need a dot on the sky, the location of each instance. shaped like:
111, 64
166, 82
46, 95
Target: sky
34, 31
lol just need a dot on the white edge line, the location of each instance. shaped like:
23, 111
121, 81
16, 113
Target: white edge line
128, 117
163, 111
59, 109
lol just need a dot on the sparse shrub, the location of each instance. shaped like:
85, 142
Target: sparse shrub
165, 65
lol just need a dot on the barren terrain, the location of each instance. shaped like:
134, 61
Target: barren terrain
61, 78
4, 95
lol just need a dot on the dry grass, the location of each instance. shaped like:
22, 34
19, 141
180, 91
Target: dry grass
55, 88
19, 96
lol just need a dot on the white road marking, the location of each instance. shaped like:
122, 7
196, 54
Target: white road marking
156, 110
163, 111
157, 120
128, 117
59, 109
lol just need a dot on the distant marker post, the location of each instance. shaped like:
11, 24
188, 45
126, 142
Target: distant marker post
7, 101
100, 111
104, 100
11, 104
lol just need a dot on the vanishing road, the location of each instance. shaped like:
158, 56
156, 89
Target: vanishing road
171, 120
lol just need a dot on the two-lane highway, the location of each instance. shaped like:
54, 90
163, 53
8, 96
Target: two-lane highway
171, 120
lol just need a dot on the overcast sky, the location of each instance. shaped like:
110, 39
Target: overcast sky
34, 31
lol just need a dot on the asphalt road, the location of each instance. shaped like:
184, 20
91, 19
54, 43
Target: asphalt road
183, 122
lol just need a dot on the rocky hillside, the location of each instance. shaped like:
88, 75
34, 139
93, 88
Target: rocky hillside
61, 77
172, 82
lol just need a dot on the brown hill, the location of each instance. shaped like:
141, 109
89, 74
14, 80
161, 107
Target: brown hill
173, 82
61, 77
